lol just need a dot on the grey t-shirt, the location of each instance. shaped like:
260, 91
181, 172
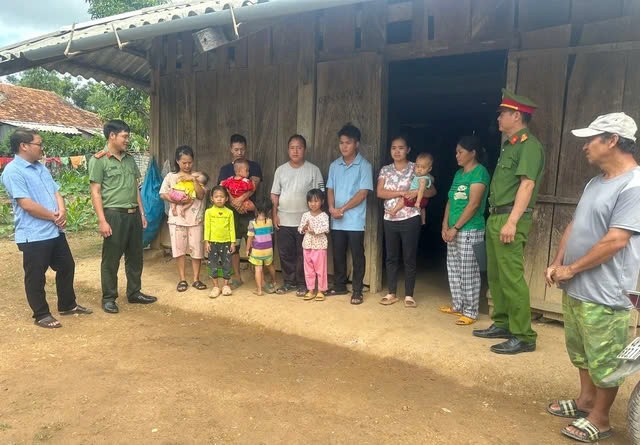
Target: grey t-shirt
292, 185
606, 204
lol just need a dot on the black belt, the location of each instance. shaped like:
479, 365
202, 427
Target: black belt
122, 209
506, 209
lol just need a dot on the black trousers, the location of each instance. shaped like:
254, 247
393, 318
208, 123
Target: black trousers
343, 240
402, 234
126, 239
291, 259
37, 257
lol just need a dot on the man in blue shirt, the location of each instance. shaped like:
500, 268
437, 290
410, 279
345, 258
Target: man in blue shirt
40, 218
350, 179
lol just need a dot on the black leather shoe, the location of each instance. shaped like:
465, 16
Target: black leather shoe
492, 332
513, 346
142, 299
110, 307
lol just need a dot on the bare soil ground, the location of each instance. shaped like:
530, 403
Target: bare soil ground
264, 370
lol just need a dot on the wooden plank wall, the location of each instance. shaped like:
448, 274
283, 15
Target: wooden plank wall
266, 85
350, 90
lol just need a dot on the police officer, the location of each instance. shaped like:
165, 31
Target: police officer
514, 189
114, 192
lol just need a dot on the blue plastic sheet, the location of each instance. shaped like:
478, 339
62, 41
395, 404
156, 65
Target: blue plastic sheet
153, 204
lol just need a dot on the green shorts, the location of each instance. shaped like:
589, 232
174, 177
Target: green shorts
595, 334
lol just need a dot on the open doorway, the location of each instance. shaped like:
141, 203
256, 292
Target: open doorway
434, 102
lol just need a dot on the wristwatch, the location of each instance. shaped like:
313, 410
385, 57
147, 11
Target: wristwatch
457, 229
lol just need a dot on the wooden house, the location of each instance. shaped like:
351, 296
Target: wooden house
432, 68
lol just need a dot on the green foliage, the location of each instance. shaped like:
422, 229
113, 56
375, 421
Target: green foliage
106, 8
41, 79
56, 144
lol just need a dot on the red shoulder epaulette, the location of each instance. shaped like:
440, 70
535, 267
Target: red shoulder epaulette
100, 154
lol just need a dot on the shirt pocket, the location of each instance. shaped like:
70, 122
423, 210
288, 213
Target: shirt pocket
507, 162
112, 172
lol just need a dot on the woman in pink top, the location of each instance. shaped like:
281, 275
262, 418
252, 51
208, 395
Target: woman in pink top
401, 229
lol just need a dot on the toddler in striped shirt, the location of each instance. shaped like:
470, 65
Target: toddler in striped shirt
260, 246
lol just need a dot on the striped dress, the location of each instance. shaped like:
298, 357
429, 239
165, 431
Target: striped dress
262, 244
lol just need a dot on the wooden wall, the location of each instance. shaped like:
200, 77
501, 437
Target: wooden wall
311, 73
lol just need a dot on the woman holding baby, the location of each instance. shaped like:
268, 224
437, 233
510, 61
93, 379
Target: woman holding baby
184, 189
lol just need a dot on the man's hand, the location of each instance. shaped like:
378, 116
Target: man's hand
508, 233
562, 273
232, 248
548, 274
450, 234
61, 219
335, 213
276, 221
248, 251
207, 247
417, 205
144, 221
105, 229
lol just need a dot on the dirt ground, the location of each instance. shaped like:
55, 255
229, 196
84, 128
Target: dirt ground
267, 370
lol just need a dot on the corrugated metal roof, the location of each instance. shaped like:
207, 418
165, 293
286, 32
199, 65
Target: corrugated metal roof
42, 127
94, 51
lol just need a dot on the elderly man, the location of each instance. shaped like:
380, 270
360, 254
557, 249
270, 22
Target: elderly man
40, 218
597, 261
513, 193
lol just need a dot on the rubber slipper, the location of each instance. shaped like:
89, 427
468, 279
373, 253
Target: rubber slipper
284, 289
199, 285
465, 321
591, 433
388, 300
357, 299
182, 286
410, 302
80, 310
566, 408
319, 296
301, 292
449, 310
48, 322
308, 296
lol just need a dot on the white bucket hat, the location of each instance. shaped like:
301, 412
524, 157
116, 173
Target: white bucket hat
615, 123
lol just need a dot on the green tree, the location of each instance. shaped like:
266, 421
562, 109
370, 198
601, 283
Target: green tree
41, 79
105, 8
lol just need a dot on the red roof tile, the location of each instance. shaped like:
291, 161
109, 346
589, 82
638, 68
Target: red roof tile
43, 107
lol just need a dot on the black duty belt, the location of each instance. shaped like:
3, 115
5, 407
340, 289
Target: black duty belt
506, 209
122, 209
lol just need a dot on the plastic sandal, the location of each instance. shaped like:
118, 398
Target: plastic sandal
182, 286
449, 310
388, 300
465, 321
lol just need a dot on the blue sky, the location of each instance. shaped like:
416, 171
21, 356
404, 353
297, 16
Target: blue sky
24, 19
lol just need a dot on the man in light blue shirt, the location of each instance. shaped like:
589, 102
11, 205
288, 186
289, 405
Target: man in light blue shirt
350, 180
40, 218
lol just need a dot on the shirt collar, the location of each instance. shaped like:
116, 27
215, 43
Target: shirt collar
518, 137
24, 163
356, 161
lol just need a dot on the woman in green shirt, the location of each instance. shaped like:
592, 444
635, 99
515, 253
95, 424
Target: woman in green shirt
463, 226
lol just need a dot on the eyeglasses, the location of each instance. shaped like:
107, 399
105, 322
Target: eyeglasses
41, 145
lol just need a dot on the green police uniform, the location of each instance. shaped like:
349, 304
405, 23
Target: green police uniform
521, 155
118, 179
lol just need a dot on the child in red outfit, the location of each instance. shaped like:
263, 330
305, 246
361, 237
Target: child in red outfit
240, 184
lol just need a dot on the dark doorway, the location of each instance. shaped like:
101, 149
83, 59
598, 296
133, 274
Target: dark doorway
434, 102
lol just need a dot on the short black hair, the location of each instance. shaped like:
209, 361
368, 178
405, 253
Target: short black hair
315, 194
351, 131
238, 139
402, 137
264, 205
526, 117
21, 136
116, 126
298, 137
219, 188
624, 144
